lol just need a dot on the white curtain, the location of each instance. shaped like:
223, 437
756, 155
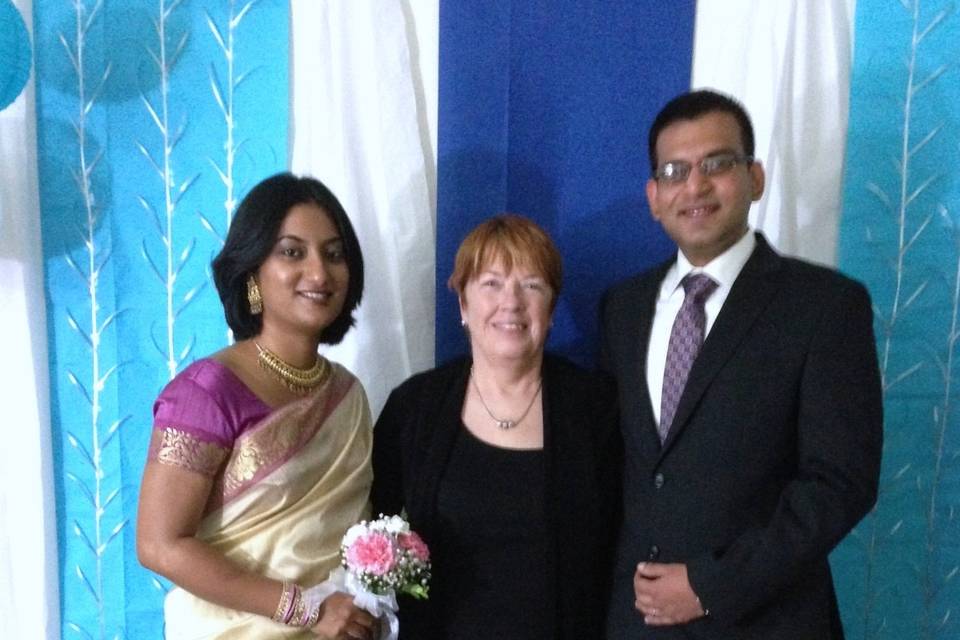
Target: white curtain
29, 602
789, 62
364, 87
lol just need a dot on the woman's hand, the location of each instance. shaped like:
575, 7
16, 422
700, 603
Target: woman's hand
340, 619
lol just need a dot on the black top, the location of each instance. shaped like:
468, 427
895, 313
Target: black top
413, 442
490, 575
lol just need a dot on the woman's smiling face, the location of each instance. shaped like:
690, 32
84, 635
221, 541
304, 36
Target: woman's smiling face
304, 279
506, 312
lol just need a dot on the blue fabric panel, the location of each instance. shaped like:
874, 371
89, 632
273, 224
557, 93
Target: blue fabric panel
15, 51
133, 208
900, 234
544, 111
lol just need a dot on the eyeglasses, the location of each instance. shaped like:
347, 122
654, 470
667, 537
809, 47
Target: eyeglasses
677, 171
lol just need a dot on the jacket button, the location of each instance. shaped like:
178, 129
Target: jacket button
658, 480
654, 552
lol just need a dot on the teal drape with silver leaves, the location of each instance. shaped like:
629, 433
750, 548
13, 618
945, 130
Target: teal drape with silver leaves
900, 233
154, 118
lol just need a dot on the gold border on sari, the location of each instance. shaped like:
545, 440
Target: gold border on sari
178, 448
285, 432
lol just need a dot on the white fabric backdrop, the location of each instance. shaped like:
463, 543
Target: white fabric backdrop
789, 62
29, 600
362, 76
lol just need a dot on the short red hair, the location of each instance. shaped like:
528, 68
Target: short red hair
512, 240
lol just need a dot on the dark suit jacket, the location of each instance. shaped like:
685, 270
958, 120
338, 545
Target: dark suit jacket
413, 439
773, 457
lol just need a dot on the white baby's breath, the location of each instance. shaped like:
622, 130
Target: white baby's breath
394, 525
397, 525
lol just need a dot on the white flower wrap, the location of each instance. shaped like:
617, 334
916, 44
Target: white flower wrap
382, 607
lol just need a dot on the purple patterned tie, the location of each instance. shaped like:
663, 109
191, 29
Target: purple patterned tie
685, 340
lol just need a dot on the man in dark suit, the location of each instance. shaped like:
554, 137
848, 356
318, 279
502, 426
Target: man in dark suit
750, 400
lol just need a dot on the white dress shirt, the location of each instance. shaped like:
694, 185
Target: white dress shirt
724, 270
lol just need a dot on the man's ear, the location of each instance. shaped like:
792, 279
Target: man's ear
652, 198
758, 179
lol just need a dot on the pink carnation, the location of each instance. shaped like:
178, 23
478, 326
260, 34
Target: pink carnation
415, 545
372, 553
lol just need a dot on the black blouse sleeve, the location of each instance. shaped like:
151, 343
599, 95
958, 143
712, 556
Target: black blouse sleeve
387, 493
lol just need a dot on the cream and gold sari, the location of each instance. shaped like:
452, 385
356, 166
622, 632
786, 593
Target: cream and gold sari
292, 484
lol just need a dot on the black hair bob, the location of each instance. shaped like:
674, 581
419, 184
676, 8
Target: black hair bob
692, 105
252, 235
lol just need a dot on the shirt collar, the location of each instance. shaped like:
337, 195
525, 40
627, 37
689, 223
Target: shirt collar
723, 269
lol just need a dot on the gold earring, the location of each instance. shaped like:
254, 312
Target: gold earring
254, 297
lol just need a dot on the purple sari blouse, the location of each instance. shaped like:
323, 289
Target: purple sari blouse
200, 414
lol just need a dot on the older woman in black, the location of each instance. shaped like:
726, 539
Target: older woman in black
507, 461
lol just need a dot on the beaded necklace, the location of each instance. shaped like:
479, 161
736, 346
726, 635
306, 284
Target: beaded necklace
505, 424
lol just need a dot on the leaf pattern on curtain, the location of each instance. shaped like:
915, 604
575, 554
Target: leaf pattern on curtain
901, 234
154, 117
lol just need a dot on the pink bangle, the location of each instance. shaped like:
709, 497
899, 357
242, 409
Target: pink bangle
297, 618
284, 604
295, 598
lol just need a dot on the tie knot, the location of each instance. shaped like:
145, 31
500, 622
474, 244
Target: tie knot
698, 286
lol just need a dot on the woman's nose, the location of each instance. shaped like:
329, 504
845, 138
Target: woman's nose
512, 295
316, 269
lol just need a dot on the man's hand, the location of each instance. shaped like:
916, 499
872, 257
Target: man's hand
664, 594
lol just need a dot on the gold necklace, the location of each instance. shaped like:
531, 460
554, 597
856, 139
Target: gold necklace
502, 424
294, 378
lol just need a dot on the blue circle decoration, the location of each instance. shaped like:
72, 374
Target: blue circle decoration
15, 53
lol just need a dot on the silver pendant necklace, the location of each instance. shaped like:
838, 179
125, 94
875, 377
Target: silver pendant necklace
502, 424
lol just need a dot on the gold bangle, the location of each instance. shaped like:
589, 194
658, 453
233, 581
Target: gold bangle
314, 617
297, 619
284, 602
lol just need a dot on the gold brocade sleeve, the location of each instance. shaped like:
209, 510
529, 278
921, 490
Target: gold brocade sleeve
178, 448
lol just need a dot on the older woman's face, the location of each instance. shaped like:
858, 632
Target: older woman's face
507, 313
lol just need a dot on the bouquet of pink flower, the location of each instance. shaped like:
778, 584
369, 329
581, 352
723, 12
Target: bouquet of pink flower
381, 558
386, 557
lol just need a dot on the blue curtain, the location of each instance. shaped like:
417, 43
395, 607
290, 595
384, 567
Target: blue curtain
544, 110
153, 119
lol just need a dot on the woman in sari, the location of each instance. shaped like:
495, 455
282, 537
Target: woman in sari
260, 455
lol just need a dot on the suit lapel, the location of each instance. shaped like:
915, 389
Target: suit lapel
749, 296
637, 335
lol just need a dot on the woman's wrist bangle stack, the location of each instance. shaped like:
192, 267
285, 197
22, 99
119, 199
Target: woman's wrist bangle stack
292, 608
295, 600
285, 606
296, 620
